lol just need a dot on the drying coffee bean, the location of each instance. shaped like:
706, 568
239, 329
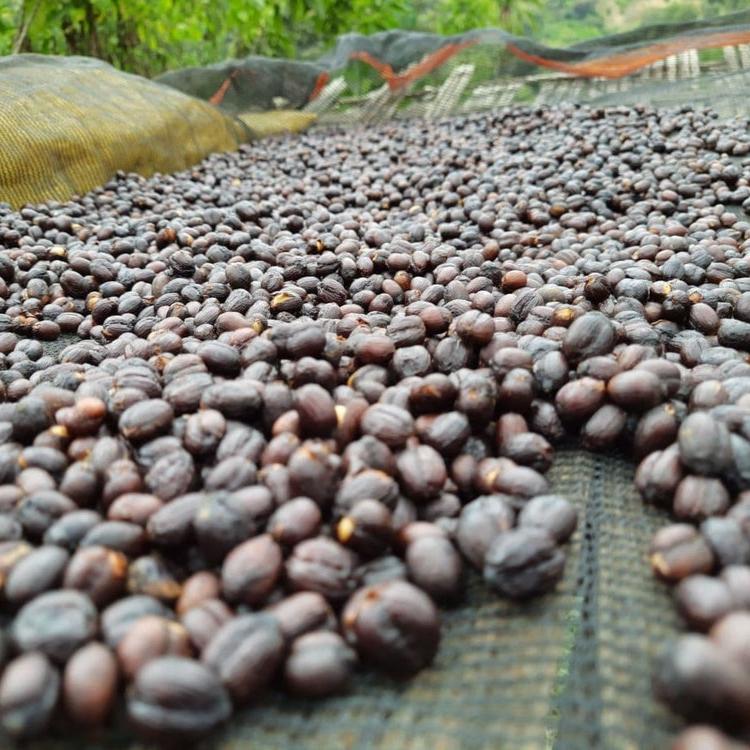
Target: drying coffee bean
529, 449
479, 523
223, 521
118, 617
200, 587
588, 336
446, 433
55, 623
90, 685
319, 664
697, 498
149, 638
704, 738
551, 513
29, 691
174, 698
152, 576
250, 570
322, 565
302, 613
727, 541
737, 577
245, 652
435, 566
635, 390
204, 620
731, 634
295, 521
702, 682
703, 600
394, 626
145, 420
523, 562
659, 474
578, 400
422, 472
316, 410
704, 444
656, 430
369, 483
391, 424
128, 538
37, 572
678, 551
367, 528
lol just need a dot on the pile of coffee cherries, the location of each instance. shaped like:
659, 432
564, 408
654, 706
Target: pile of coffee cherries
261, 417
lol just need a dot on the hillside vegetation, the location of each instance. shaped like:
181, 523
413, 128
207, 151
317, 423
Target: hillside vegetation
150, 36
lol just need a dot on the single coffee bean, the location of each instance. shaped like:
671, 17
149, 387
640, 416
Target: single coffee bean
118, 617
394, 626
251, 570
174, 698
367, 528
145, 420
697, 498
704, 738
368, 483
635, 390
737, 577
435, 566
302, 613
731, 634
659, 474
588, 336
728, 543
702, 600
295, 521
316, 410
480, 522
128, 538
656, 430
203, 621
699, 680
55, 623
90, 685
523, 562
678, 551
198, 588
578, 400
551, 513
37, 572
149, 638
390, 424
245, 652
223, 521
324, 566
529, 449
29, 691
319, 664
704, 444
151, 575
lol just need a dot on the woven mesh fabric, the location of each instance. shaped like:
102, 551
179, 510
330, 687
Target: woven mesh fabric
571, 670
68, 124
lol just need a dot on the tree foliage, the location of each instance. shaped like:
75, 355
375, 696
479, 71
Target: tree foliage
150, 36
